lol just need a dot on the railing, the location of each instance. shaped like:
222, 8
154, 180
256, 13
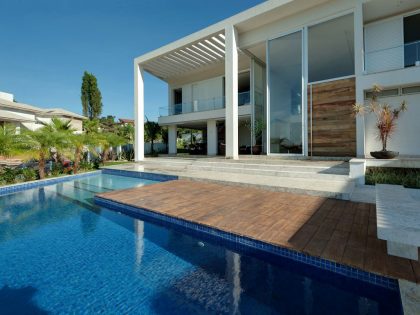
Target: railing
393, 58
244, 98
202, 105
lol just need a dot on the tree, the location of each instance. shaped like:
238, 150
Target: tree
7, 140
91, 96
79, 142
41, 141
91, 126
152, 131
127, 132
109, 140
108, 124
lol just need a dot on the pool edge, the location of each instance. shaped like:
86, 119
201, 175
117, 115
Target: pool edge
356, 273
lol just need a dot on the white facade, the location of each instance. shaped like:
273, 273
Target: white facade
31, 117
288, 48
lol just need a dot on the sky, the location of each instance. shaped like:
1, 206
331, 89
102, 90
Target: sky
46, 45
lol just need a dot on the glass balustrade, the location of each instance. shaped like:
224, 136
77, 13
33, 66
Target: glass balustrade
393, 58
202, 105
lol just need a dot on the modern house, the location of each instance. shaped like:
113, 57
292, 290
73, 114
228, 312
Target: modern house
31, 117
294, 69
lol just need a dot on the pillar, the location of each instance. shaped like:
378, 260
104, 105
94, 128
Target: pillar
231, 77
138, 113
211, 137
172, 139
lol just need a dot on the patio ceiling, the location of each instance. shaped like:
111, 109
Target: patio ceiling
198, 55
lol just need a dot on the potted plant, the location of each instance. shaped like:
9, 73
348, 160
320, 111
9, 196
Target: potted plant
257, 129
386, 121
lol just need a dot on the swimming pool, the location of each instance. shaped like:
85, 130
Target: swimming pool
60, 253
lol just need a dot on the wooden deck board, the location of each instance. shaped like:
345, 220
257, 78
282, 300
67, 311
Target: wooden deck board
341, 231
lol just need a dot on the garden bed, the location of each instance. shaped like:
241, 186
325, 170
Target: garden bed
408, 177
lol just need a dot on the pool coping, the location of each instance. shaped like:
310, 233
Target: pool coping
7, 189
356, 273
4, 190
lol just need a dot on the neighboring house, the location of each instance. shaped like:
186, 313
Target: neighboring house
297, 65
126, 121
31, 117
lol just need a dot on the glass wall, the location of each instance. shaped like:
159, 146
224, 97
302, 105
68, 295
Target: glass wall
258, 105
331, 49
285, 93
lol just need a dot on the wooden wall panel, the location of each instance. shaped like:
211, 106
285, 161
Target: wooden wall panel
332, 131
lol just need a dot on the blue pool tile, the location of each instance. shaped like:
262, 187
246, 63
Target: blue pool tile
255, 244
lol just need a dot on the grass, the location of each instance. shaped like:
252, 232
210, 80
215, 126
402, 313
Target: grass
408, 177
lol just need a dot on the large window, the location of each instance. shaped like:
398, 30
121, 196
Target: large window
285, 75
411, 40
331, 49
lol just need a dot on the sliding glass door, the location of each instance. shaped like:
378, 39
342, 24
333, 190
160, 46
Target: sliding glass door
285, 94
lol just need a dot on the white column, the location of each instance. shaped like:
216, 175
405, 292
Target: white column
305, 117
359, 70
231, 75
211, 137
172, 139
138, 113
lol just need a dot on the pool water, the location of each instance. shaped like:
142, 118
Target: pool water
59, 253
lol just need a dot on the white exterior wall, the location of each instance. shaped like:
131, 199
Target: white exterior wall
200, 90
406, 139
7, 96
244, 110
384, 45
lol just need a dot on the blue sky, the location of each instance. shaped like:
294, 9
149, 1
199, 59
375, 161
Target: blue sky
47, 44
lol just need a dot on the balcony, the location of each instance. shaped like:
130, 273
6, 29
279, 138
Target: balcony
202, 105
393, 58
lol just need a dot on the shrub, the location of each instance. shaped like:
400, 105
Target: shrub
9, 175
408, 177
85, 166
57, 169
96, 162
29, 174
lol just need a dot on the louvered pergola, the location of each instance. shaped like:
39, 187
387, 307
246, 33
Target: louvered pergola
196, 56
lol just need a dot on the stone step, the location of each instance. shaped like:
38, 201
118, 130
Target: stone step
282, 170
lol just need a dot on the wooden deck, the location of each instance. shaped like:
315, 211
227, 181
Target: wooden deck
341, 231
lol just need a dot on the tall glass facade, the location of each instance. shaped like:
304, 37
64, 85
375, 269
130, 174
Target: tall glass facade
285, 93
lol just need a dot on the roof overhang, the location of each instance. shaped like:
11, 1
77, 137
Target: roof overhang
205, 49
12, 117
196, 56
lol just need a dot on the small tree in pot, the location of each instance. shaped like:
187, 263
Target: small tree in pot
386, 121
257, 130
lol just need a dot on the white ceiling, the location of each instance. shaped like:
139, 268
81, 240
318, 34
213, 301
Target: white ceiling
378, 9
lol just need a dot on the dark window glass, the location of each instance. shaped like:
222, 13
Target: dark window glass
412, 40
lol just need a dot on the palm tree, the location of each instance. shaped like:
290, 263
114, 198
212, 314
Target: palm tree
59, 125
41, 141
91, 126
152, 130
7, 140
109, 140
79, 142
